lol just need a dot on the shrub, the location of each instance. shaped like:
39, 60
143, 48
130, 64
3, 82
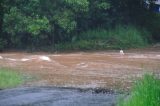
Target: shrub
2, 44
121, 37
129, 37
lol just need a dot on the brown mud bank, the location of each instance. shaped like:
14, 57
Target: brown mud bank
84, 70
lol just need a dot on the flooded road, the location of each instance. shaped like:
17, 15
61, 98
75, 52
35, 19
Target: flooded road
48, 96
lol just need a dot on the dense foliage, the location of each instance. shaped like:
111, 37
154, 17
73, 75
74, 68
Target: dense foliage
37, 23
121, 37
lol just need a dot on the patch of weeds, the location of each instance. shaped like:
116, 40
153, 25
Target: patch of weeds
146, 92
9, 78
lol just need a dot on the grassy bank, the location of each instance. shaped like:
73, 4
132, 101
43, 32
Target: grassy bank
120, 37
145, 93
9, 78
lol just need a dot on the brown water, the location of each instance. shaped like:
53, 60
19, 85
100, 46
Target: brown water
84, 70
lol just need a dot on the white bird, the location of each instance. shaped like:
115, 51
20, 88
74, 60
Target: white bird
121, 52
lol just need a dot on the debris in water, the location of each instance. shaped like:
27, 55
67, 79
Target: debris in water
11, 59
83, 65
24, 59
45, 58
1, 57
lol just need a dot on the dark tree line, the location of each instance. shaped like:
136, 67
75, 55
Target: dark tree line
46, 22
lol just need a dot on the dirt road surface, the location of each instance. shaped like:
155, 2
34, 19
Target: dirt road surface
84, 69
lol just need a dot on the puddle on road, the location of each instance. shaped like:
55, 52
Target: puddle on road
49, 96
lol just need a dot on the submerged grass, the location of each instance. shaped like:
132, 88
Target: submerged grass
145, 93
9, 78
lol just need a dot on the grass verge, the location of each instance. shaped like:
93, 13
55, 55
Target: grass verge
9, 78
146, 92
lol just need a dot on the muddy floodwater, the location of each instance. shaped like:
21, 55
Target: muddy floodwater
48, 96
84, 69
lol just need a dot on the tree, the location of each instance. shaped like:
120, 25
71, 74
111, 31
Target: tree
1, 16
2, 41
44, 22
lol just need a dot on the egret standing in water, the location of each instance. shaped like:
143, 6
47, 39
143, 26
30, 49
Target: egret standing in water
121, 52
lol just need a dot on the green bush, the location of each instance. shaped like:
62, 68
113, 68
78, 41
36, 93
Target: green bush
121, 37
2, 44
129, 37
153, 25
145, 93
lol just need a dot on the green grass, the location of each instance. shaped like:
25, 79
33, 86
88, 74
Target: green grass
145, 93
121, 37
9, 78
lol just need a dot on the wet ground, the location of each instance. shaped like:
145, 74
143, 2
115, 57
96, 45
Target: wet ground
48, 96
